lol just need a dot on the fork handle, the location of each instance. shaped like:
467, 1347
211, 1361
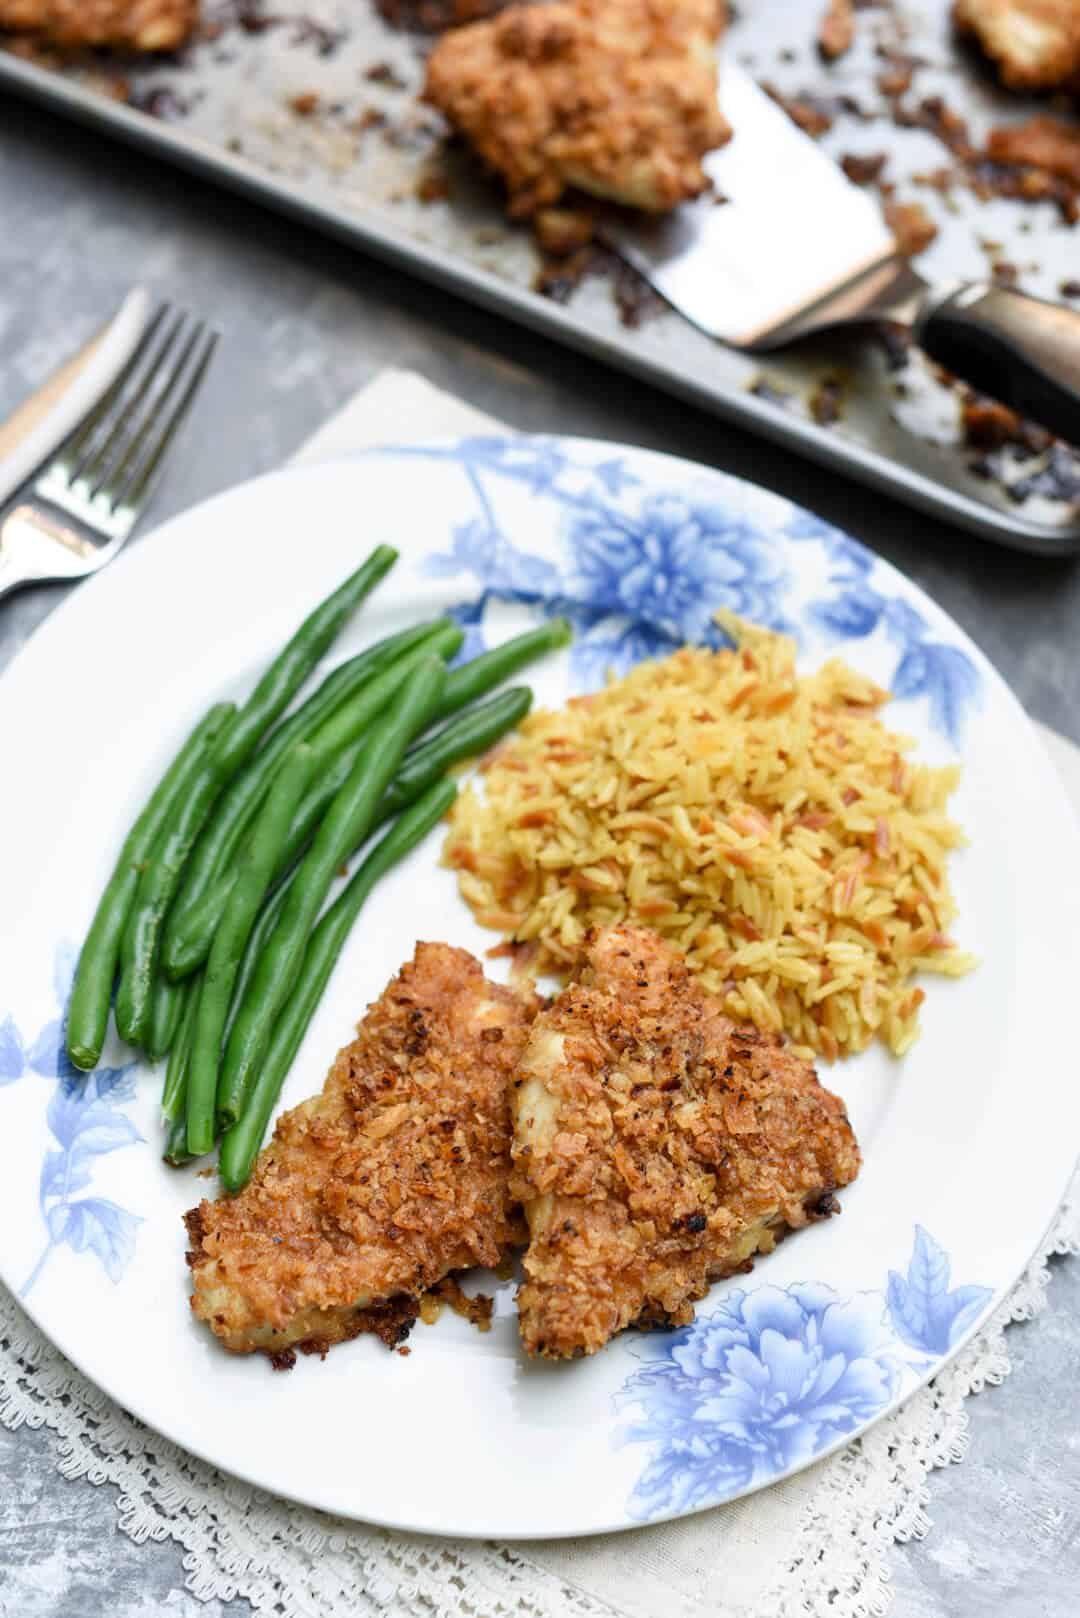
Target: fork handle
1021, 350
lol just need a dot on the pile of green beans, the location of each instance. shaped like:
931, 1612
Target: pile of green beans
331, 734
473, 731
210, 928
240, 802
233, 746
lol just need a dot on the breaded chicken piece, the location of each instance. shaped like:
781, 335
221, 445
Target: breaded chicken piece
657, 1147
1035, 43
615, 97
395, 1176
137, 25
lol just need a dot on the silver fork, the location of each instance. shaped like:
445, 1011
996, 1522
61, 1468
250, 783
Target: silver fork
85, 504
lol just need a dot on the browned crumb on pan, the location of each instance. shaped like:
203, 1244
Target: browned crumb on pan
658, 1146
562, 231
911, 226
864, 168
635, 300
616, 98
138, 25
813, 114
987, 424
394, 1176
433, 16
1034, 43
826, 402
1041, 143
836, 30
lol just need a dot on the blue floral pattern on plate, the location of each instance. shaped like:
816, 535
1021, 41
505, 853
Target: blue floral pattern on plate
641, 570
777, 1375
86, 1121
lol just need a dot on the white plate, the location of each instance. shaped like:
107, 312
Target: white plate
968, 1141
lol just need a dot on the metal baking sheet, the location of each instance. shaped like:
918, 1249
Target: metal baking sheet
318, 115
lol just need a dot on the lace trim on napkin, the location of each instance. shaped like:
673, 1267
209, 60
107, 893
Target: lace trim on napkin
288, 1560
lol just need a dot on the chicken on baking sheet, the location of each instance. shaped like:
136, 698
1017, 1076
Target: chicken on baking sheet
615, 97
139, 25
392, 1178
1035, 43
657, 1147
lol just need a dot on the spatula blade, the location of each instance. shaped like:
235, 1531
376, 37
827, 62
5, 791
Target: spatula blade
791, 226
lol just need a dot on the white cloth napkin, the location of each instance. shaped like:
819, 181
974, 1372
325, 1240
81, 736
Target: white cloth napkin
815, 1543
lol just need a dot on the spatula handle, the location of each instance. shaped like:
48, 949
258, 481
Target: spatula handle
1021, 350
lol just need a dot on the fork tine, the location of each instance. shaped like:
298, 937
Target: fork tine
132, 406
154, 446
155, 395
74, 451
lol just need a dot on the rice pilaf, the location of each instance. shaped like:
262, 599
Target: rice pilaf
767, 824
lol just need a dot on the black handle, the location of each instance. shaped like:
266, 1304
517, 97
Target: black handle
1021, 350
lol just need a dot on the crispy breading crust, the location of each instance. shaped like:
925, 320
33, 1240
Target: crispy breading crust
657, 1147
616, 97
395, 1176
138, 25
1035, 43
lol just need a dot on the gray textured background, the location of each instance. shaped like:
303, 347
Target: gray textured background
305, 324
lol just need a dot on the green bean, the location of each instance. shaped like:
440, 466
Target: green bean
265, 922
166, 1009
295, 662
347, 822
239, 803
241, 1143
88, 1015
175, 1087
141, 943
192, 933
176, 1153
472, 732
350, 723
157, 884
230, 940
478, 676
190, 941
467, 736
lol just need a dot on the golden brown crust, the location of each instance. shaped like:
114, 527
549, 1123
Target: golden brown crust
615, 97
1042, 143
657, 1147
393, 1177
1035, 43
138, 25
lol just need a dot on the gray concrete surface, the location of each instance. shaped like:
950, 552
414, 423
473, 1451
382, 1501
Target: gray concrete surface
305, 324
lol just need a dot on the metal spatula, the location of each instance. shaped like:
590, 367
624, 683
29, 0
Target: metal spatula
797, 247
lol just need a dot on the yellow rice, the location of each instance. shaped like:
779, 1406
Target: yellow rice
766, 824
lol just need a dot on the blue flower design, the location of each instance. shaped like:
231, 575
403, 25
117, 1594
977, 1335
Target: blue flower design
667, 561
926, 1315
614, 646
676, 563
766, 1382
775, 1376
86, 1121
944, 675
477, 547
